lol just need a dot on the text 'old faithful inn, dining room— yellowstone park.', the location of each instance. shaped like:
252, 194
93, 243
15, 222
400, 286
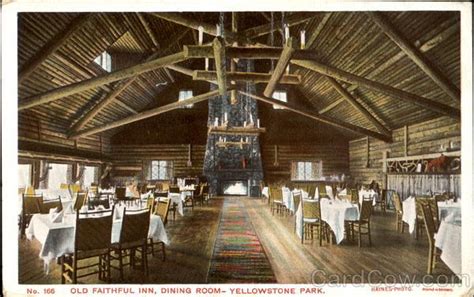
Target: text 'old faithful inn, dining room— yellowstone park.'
269, 147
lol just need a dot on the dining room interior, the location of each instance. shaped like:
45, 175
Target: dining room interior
294, 147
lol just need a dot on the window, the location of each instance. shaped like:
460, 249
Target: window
104, 60
306, 170
90, 176
160, 170
58, 174
24, 175
185, 94
281, 96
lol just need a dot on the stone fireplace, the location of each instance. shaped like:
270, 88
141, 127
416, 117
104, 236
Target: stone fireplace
234, 163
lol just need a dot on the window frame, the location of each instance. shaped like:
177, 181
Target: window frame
277, 98
294, 175
184, 99
169, 170
104, 60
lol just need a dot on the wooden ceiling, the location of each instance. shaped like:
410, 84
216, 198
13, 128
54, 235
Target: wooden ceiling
417, 53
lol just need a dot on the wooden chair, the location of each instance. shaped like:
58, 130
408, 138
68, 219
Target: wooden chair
133, 238
441, 197
424, 200
45, 205
312, 190
398, 212
354, 196
431, 229
162, 209
276, 199
81, 198
362, 225
103, 199
322, 191
312, 219
382, 201
199, 197
92, 240
120, 193
29, 207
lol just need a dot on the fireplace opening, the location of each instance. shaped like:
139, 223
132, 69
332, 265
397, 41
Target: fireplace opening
234, 187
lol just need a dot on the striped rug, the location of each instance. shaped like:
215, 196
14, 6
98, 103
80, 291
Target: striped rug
238, 254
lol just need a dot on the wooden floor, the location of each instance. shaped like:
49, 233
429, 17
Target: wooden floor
192, 240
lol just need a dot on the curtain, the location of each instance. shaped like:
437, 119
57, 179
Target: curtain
421, 184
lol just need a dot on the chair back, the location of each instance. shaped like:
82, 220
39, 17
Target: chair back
311, 209
429, 222
30, 204
103, 200
275, 193
205, 189
423, 200
441, 197
354, 196
312, 190
160, 194
365, 210
93, 232
165, 186
120, 193
397, 202
322, 191
297, 199
162, 208
174, 189
135, 224
150, 202
80, 200
30, 190
45, 205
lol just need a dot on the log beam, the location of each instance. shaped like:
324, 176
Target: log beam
415, 55
253, 77
210, 29
321, 118
53, 45
219, 57
254, 53
120, 87
352, 101
292, 20
145, 114
148, 29
283, 62
75, 88
379, 87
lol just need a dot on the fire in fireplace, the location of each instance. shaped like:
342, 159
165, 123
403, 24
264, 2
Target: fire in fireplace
234, 187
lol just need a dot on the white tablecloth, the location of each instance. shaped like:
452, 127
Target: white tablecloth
449, 209
445, 209
448, 240
57, 239
265, 192
178, 199
334, 213
409, 213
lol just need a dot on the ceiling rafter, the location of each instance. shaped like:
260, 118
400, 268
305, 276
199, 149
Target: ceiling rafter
292, 20
415, 55
352, 101
53, 45
321, 118
78, 87
145, 114
281, 66
379, 87
120, 87
148, 29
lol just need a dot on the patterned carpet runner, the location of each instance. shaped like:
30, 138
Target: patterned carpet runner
238, 255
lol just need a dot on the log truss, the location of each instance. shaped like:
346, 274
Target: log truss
247, 48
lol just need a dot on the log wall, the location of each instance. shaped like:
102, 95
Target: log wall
423, 138
334, 156
128, 159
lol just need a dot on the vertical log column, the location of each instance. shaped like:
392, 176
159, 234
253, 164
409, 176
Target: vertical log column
233, 64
